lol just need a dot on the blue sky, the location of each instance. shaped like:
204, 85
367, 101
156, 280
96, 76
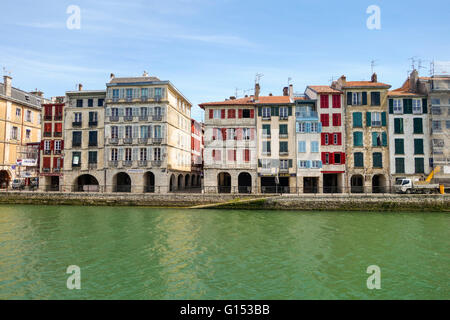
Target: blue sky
208, 48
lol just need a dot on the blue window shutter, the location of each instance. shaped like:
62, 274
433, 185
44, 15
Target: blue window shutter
320, 164
319, 127
368, 119
308, 164
384, 139
308, 127
383, 119
297, 127
374, 139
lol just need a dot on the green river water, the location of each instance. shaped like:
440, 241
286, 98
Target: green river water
143, 253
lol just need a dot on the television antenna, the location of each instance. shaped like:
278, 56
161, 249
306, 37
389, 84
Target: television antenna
373, 65
258, 77
413, 62
6, 72
289, 81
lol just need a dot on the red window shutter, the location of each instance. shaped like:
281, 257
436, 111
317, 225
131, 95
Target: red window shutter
222, 114
342, 157
335, 120
252, 113
48, 127
322, 138
219, 155
331, 157
324, 118
246, 155
55, 162
324, 158
42, 144
230, 113
62, 144
327, 119
240, 113
339, 119
324, 101
336, 101
252, 134
211, 113
239, 133
46, 162
339, 139
224, 134
214, 154
52, 145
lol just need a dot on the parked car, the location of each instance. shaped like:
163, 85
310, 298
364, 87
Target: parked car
18, 184
34, 183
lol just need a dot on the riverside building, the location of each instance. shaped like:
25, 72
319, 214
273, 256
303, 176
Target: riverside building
148, 136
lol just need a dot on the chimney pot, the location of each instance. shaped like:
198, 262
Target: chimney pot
80, 87
291, 91
374, 78
285, 91
257, 91
7, 85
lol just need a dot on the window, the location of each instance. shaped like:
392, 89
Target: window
326, 137
246, 113
266, 112
335, 139
246, 133
231, 113
246, 155
325, 119
436, 111
79, 103
77, 116
128, 155
114, 153
435, 101
377, 160
47, 145
14, 131
27, 133
301, 127
283, 147
128, 132
336, 119
92, 138
115, 93
419, 165
314, 146
327, 158
447, 124
399, 146
157, 133
337, 158
399, 165
357, 98
376, 139
301, 146
76, 159
357, 120
28, 116
128, 112
158, 111
114, 132
129, 93
231, 155
418, 125
436, 126
336, 101
359, 159
266, 130
418, 146
324, 101
316, 164
376, 119
266, 147
284, 112
302, 164
114, 112
217, 113
398, 125
283, 129
157, 154
18, 112
144, 92
398, 107
90, 102
58, 145
158, 92
93, 116
100, 102
284, 164
315, 127
143, 154
375, 98
92, 157
417, 106
76, 138
357, 139
217, 155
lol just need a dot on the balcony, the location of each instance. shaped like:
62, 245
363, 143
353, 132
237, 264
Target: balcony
58, 118
128, 118
127, 140
57, 134
142, 163
127, 163
284, 136
93, 123
283, 118
113, 141
143, 118
307, 115
46, 170
143, 140
76, 144
47, 118
47, 134
57, 170
157, 117
92, 144
92, 166
113, 164
284, 170
57, 152
284, 153
158, 98
157, 140
114, 118
115, 99
129, 99
144, 98
76, 124
156, 163
266, 118
47, 152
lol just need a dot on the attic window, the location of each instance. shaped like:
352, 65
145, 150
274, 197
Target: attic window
27, 98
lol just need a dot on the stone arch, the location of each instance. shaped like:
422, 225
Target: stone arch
187, 181
86, 183
149, 182
357, 183
5, 179
245, 182
122, 182
172, 183
180, 182
224, 182
379, 183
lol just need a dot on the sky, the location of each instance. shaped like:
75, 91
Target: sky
211, 49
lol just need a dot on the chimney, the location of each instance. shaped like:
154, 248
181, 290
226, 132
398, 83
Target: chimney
37, 93
285, 91
145, 74
112, 76
374, 78
413, 78
232, 98
7, 85
257, 91
341, 82
291, 91
270, 94
80, 87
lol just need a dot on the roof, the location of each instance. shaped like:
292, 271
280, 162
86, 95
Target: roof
324, 89
20, 96
249, 101
365, 84
405, 91
134, 80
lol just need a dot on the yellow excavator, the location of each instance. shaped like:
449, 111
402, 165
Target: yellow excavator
409, 186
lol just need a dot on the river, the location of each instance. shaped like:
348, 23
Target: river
144, 253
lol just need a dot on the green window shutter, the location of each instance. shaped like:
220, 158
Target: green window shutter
359, 160
283, 129
383, 119
290, 163
374, 139
407, 106
399, 146
289, 111
425, 106
259, 111
398, 125
357, 119
272, 111
418, 126
368, 119
419, 165
259, 163
418, 146
399, 165
349, 98
384, 139
358, 139
391, 106
364, 98
377, 160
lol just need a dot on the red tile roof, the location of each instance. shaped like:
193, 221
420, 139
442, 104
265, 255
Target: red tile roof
365, 84
404, 91
249, 101
324, 89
